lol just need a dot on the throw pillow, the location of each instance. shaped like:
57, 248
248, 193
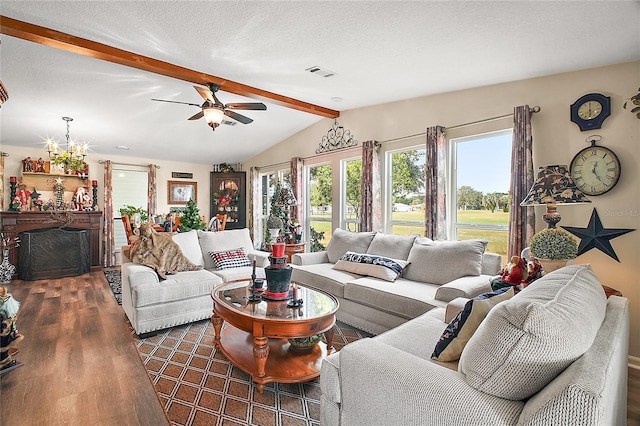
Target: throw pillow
392, 246
341, 241
227, 259
371, 265
466, 322
527, 341
441, 262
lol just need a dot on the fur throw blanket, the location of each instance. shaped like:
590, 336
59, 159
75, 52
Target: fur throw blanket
158, 251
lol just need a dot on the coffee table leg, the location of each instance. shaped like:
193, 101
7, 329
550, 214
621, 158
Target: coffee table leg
217, 327
260, 355
329, 336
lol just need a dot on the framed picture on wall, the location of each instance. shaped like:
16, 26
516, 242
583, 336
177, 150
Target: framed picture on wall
180, 192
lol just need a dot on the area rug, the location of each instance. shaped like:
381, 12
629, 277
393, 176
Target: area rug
115, 282
198, 386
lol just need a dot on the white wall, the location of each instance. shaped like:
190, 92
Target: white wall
556, 141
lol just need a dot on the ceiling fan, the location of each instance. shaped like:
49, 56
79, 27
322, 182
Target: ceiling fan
214, 111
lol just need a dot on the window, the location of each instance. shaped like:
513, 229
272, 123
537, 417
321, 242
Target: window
130, 188
350, 194
319, 193
406, 178
480, 174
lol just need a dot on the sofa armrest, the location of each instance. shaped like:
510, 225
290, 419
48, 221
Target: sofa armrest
385, 385
310, 258
134, 274
491, 263
469, 287
453, 307
261, 257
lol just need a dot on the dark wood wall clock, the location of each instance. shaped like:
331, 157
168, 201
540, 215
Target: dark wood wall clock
595, 169
590, 111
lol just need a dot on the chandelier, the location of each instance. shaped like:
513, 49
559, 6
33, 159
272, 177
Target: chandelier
72, 150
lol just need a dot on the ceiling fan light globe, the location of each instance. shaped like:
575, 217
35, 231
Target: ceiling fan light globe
213, 115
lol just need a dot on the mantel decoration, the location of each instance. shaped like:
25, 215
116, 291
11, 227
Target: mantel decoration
336, 138
635, 100
71, 159
597, 236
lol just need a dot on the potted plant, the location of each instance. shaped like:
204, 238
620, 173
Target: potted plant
274, 225
635, 101
553, 247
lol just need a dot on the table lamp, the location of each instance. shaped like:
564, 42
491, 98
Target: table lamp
553, 186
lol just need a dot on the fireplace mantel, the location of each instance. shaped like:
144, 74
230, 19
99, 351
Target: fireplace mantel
15, 222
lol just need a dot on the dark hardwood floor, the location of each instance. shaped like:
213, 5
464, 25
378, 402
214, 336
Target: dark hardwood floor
82, 368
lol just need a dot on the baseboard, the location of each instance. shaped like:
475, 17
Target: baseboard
634, 362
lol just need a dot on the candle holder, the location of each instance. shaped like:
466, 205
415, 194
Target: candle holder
296, 300
13, 184
94, 184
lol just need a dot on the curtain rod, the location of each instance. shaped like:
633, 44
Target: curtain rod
533, 110
127, 164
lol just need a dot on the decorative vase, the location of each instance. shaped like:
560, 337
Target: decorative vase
550, 265
6, 269
278, 282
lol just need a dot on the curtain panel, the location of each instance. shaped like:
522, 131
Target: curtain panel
297, 169
152, 190
521, 219
436, 184
109, 256
255, 204
370, 204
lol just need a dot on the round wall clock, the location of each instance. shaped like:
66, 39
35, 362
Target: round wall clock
590, 111
595, 169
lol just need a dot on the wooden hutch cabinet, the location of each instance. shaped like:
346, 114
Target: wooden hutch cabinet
229, 196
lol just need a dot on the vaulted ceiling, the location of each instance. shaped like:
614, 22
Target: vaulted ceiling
380, 51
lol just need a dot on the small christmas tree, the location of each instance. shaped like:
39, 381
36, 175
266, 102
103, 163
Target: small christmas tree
191, 218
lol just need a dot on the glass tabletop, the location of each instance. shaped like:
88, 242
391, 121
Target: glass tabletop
235, 295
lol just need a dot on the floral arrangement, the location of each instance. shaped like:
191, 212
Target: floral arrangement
225, 197
8, 242
69, 162
553, 243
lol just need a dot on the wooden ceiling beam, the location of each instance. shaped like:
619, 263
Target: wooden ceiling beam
82, 46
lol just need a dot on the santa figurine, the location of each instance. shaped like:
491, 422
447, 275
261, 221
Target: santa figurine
511, 275
80, 197
9, 335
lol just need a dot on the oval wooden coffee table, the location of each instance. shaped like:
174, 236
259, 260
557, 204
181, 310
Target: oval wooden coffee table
255, 338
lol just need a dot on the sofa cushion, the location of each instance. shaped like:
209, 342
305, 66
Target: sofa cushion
323, 277
223, 240
466, 322
393, 246
181, 286
343, 241
371, 265
242, 272
188, 242
404, 298
528, 340
443, 261
233, 258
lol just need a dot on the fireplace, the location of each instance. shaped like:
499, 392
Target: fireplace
53, 253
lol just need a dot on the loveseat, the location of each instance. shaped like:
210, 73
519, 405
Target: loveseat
553, 354
433, 274
152, 304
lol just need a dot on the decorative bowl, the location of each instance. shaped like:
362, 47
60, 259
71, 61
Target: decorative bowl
304, 344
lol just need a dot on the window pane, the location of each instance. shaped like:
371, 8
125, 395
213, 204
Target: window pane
320, 202
129, 189
483, 165
351, 192
407, 192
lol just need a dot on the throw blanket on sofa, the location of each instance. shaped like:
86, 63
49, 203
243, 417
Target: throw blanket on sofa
159, 252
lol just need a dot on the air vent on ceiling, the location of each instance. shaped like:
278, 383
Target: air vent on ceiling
321, 71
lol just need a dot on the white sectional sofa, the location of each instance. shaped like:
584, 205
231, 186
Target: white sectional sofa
553, 354
152, 304
438, 272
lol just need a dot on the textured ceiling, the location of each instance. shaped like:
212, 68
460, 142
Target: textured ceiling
381, 51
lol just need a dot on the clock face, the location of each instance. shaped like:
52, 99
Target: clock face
595, 170
589, 110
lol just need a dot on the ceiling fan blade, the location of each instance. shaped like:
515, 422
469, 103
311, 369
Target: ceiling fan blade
257, 106
239, 117
196, 116
206, 94
176, 102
